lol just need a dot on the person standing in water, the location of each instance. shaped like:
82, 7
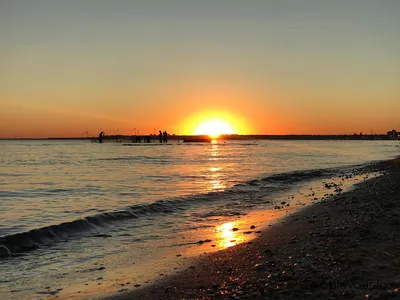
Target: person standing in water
101, 137
160, 137
165, 137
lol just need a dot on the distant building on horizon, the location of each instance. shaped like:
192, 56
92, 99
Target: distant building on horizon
393, 134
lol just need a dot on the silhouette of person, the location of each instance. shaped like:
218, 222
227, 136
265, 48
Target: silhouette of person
101, 137
165, 137
160, 136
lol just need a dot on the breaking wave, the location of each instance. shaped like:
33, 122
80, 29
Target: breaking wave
250, 192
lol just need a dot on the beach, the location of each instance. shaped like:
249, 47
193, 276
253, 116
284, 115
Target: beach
83, 221
199, 149
344, 247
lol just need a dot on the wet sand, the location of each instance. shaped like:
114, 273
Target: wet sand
345, 247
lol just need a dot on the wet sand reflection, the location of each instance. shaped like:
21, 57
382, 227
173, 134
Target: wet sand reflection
228, 235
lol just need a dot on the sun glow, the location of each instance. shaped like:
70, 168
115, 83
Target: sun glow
214, 123
214, 128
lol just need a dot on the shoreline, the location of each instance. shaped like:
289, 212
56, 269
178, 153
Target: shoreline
343, 247
218, 236
223, 137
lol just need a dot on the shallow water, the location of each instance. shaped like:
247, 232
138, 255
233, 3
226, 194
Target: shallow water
72, 212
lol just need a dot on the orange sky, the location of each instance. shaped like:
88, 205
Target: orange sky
290, 67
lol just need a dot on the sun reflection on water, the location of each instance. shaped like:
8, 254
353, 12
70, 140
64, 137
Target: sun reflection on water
215, 182
217, 185
214, 152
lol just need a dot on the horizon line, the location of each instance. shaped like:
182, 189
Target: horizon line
221, 137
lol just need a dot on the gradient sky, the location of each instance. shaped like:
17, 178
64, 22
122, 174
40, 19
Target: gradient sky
270, 66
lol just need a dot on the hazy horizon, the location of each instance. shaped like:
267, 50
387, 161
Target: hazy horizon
256, 67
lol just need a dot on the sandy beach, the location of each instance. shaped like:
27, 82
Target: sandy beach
345, 247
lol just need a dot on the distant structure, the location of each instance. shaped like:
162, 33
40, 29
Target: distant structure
197, 139
393, 134
101, 137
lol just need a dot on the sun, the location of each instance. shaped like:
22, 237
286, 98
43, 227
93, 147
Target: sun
214, 128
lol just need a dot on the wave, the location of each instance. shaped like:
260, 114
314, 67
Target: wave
136, 157
251, 192
141, 158
46, 192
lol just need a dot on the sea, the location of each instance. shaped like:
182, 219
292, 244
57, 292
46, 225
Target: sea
81, 219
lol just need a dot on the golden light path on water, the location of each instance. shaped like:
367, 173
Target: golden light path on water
226, 234
215, 182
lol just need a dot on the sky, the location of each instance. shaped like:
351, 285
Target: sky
77, 67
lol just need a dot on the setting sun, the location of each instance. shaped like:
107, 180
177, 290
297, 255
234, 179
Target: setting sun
214, 128
214, 122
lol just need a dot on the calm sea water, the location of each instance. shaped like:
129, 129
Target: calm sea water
66, 206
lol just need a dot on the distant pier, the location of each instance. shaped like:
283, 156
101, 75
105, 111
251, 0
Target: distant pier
227, 137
